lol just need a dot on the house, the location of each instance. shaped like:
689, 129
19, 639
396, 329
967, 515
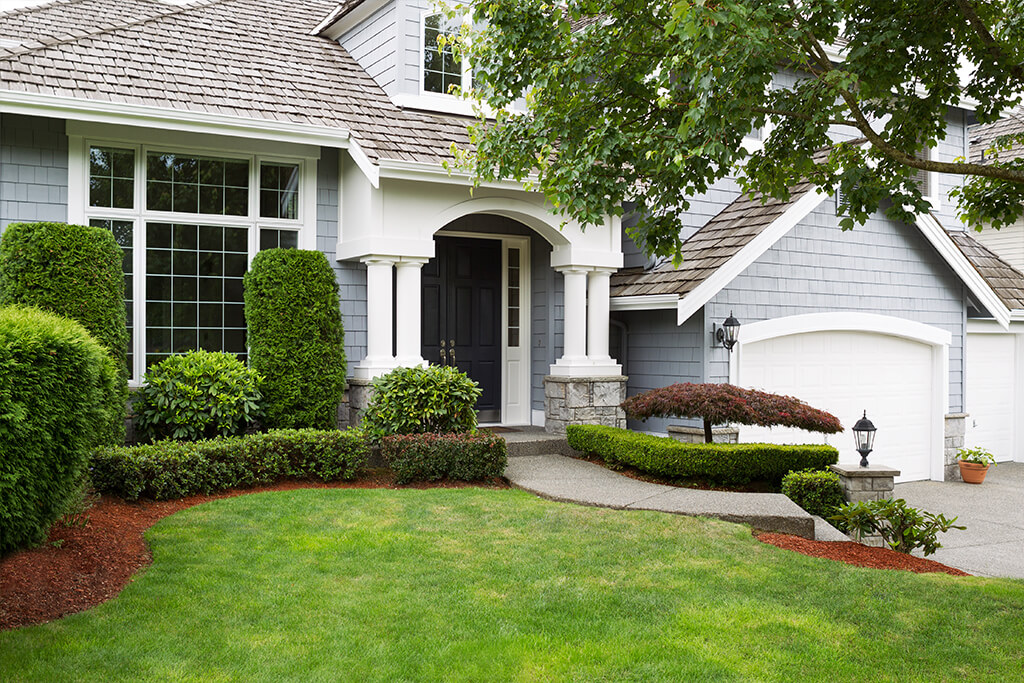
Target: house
201, 133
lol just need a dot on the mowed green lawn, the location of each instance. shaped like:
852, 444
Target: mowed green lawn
484, 585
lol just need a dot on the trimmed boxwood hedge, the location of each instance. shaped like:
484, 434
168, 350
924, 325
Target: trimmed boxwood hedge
55, 380
74, 271
724, 463
295, 336
174, 469
429, 457
816, 491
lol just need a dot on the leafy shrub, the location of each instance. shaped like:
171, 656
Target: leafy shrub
55, 380
436, 399
723, 403
817, 492
428, 457
295, 335
724, 463
173, 469
75, 272
197, 395
903, 528
979, 456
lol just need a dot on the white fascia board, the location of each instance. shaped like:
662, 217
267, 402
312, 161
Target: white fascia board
706, 290
649, 302
129, 114
435, 173
371, 171
336, 28
951, 253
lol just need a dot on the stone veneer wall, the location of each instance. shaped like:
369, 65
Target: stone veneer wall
862, 484
357, 398
583, 400
956, 429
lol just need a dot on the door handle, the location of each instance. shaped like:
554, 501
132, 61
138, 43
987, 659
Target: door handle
451, 343
444, 358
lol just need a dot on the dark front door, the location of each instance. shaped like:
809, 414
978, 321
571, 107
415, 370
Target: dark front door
462, 314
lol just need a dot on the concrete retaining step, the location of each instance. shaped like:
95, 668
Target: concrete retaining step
562, 478
534, 441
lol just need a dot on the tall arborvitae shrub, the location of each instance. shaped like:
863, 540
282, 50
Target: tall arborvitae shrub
75, 272
296, 339
55, 381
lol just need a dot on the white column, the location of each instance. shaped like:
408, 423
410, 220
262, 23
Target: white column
407, 309
575, 314
598, 299
379, 333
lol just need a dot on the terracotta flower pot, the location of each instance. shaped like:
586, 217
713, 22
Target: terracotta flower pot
972, 472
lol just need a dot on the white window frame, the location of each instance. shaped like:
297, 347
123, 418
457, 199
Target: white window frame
167, 142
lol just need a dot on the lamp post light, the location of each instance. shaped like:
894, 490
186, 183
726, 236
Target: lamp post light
727, 333
864, 437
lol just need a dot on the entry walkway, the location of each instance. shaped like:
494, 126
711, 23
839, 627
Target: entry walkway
993, 543
561, 478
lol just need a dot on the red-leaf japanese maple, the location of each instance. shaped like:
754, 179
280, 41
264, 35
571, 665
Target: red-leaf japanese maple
724, 403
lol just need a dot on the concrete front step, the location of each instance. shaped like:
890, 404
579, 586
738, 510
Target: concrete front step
535, 441
561, 478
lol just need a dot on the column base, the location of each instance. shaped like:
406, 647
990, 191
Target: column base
583, 400
956, 429
359, 393
369, 368
585, 367
874, 482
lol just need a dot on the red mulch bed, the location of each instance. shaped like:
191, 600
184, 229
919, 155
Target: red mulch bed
858, 555
79, 567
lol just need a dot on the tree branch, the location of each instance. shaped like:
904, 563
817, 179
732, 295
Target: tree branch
991, 44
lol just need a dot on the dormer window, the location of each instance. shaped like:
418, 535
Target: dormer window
442, 69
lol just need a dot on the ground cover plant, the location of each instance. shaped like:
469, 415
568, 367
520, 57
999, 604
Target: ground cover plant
75, 272
716, 403
296, 339
496, 585
902, 527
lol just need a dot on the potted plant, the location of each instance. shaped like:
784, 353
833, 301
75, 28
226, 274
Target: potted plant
974, 464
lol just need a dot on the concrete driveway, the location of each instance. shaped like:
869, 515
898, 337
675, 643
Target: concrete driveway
993, 543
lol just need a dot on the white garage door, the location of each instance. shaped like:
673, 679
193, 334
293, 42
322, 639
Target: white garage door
989, 389
847, 373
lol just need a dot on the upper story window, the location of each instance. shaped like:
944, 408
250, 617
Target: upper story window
442, 69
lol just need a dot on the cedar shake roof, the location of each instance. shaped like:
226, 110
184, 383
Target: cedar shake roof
983, 136
1005, 280
709, 248
252, 59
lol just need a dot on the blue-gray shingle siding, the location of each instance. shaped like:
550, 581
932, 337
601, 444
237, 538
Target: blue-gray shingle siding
33, 169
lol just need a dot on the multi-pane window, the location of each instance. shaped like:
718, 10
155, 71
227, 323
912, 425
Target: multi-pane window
278, 239
111, 177
194, 184
513, 298
442, 70
279, 190
187, 242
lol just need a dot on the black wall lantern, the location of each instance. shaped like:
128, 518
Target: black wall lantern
864, 436
727, 333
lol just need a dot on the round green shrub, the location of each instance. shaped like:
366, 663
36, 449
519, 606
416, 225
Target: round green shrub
296, 339
198, 395
73, 271
437, 399
55, 380
816, 491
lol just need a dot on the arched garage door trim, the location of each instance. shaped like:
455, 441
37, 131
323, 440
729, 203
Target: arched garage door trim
938, 339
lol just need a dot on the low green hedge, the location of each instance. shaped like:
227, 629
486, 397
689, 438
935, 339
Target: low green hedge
174, 469
428, 457
817, 492
724, 463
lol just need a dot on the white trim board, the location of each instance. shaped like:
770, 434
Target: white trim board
645, 302
968, 274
